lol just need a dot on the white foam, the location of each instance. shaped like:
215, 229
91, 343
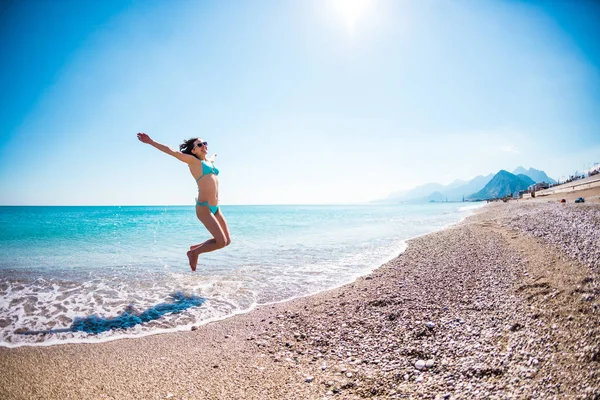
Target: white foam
36, 308
292, 269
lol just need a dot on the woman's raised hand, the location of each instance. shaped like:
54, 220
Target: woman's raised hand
144, 138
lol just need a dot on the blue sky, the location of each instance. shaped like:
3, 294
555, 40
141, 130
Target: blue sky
312, 101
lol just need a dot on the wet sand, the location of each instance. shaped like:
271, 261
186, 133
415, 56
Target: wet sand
491, 308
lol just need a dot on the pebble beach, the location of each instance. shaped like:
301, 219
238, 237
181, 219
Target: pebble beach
504, 305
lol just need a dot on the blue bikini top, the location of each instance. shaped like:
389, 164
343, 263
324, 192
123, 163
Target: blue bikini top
207, 169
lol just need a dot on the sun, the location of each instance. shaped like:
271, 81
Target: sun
351, 12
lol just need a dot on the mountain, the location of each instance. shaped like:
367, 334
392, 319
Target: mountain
457, 192
503, 184
521, 178
535, 174
417, 193
456, 183
438, 192
436, 196
474, 185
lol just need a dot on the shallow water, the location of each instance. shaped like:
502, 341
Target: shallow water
86, 274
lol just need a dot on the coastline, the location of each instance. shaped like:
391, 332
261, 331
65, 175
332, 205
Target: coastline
501, 314
365, 265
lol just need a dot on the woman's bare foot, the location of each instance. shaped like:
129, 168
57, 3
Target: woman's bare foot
193, 257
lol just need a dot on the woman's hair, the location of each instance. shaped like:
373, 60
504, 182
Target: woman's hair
187, 146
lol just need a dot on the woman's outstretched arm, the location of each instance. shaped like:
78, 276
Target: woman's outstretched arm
186, 158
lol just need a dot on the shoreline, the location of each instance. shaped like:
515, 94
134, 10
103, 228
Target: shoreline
363, 339
471, 209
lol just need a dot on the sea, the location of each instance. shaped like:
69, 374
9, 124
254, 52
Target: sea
87, 274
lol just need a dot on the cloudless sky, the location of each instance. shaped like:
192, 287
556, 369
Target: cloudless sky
304, 101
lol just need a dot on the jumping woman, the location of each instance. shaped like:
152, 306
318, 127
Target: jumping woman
194, 152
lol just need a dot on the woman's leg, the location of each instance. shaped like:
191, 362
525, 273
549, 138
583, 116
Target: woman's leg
223, 223
218, 241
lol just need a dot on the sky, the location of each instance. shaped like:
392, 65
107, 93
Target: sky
304, 101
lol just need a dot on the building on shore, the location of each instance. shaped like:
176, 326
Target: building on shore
537, 186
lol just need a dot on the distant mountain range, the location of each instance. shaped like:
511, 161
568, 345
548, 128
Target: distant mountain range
481, 187
537, 175
438, 192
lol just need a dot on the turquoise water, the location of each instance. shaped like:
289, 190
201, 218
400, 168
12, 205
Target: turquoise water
85, 274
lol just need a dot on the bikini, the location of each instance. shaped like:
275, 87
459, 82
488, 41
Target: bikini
208, 169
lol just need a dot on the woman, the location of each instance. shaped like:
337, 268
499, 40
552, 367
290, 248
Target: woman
193, 152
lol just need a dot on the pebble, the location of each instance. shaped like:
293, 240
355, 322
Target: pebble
381, 329
309, 379
555, 225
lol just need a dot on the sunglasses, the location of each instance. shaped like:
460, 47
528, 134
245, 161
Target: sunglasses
200, 144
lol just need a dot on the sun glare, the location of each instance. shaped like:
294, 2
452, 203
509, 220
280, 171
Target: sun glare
351, 12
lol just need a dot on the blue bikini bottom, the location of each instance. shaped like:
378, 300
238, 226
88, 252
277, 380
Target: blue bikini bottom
213, 209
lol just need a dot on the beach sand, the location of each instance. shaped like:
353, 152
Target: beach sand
503, 305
